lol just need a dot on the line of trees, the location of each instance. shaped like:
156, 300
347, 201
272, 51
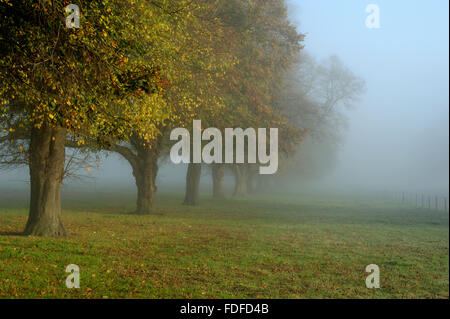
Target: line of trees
136, 69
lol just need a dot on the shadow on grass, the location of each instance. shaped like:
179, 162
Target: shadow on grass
128, 213
144, 214
12, 233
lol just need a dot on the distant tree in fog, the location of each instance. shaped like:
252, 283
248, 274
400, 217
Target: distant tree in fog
314, 99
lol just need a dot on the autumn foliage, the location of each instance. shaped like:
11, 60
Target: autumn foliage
133, 70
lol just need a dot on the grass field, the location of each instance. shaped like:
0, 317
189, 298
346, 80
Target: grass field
259, 247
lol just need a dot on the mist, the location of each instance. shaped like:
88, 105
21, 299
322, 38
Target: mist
397, 136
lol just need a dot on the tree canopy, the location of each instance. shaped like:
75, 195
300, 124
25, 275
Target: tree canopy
135, 69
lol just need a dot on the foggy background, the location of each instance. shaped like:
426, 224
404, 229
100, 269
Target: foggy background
397, 135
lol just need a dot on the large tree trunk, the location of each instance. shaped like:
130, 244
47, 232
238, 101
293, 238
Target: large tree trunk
241, 180
217, 176
143, 158
145, 170
46, 163
193, 184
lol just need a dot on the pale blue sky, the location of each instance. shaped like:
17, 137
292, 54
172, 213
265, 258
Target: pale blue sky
398, 134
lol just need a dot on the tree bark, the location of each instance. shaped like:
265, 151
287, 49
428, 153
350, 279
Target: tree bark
217, 177
193, 184
145, 171
241, 180
46, 164
143, 158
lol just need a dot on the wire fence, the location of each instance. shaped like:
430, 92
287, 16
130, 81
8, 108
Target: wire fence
424, 201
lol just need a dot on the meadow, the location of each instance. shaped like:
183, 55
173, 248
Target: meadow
278, 246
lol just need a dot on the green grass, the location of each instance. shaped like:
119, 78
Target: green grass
259, 247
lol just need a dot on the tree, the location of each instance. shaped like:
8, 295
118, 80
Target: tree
314, 98
192, 184
264, 44
193, 73
97, 82
143, 158
218, 173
